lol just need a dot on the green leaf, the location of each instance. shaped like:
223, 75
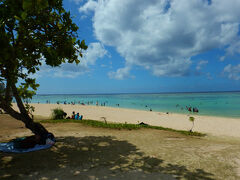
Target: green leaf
74, 40
77, 61
27, 4
60, 26
24, 15
18, 18
191, 119
83, 45
42, 4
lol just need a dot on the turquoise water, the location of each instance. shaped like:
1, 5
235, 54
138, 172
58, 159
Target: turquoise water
225, 104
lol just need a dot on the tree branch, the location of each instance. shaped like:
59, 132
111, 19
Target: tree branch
19, 102
9, 109
7, 92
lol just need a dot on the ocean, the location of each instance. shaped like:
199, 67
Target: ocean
226, 104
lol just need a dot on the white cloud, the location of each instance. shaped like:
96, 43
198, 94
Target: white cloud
201, 64
233, 72
121, 73
94, 52
222, 58
90, 5
234, 47
163, 35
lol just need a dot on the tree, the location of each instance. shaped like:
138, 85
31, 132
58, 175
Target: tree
33, 32
192, 120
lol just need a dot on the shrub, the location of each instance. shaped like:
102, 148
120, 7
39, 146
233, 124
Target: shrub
58, 113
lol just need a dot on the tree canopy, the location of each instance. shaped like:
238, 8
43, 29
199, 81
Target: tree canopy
33, 32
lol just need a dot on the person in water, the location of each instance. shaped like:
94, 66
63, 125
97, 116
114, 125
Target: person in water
195, 109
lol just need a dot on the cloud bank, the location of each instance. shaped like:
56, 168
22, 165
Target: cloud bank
163, 35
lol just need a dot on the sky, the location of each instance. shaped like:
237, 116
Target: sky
151, 46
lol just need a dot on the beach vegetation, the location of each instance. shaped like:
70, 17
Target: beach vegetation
33, 33
119, 126
192, 120
58, 113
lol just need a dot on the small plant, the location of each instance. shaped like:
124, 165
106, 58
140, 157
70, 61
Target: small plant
58, 113
192, 120
30, 109
104, 119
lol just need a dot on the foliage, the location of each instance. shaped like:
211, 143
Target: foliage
58, 113
33, 33
191, 119
2, 87
30, 109
121, 126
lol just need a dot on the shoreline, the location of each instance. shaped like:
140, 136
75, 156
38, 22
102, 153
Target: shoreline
211, 125
145, 110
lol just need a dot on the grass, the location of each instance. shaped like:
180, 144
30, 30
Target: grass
119, 126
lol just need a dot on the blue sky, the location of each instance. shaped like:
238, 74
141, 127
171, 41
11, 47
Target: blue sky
139, 46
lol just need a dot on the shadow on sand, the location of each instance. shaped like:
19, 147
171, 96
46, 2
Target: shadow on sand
91, 158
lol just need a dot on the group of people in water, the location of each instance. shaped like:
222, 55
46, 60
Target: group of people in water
190, 109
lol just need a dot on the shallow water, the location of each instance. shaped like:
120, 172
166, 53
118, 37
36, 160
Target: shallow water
225, 104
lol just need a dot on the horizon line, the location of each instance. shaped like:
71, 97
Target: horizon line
179, 92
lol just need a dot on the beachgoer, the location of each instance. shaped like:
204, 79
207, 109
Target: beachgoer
31, 141
195, 109
78, 117
73, 115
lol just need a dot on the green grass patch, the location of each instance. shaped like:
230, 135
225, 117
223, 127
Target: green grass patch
119, 126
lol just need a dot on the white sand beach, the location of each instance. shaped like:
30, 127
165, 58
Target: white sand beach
216, 126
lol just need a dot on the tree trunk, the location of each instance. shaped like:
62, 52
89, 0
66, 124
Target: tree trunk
23, 116
192, 127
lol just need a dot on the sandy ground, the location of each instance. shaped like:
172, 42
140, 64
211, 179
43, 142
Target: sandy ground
217, 126
84, 152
